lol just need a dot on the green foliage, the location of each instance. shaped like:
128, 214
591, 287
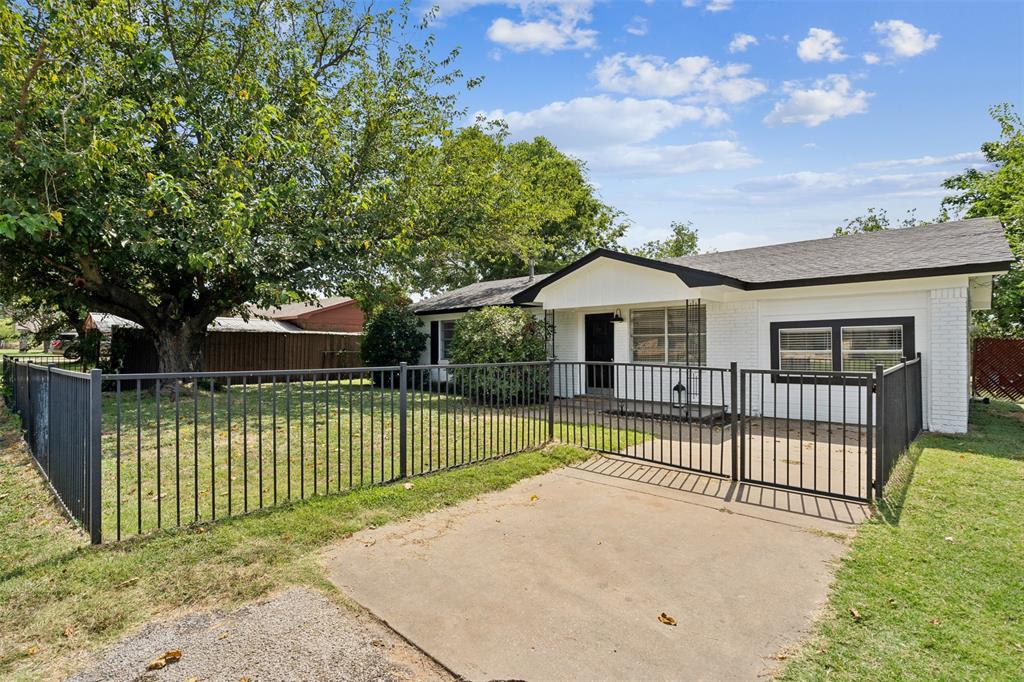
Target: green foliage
494, 207
392, 336
498, 335
7, 330
875, 220
682, 242
172, 160
998, 191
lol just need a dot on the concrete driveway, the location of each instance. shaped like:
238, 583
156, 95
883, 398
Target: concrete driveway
564, 576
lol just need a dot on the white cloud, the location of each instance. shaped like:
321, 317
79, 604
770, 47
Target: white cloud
637, 26
711, 6
741, 41
545, 26
696, 77
820, 44
903, 39
591, 122
871, 58
663, 160
962, 157
616, 135
809, 145
790, 186
542, 35
830, 98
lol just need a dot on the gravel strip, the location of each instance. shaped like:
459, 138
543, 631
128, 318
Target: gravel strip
298, 634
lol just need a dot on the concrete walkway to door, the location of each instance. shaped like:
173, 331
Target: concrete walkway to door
564, 576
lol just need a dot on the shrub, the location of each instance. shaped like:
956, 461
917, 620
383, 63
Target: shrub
392, 336
498, 335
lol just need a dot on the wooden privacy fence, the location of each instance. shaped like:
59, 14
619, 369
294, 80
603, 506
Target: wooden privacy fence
998, 368
234, 351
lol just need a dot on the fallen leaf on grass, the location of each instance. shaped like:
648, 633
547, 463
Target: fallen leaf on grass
68, 631
172, 656
407, 486
32, 650
130, 581
667, 619
856, 614
934, 621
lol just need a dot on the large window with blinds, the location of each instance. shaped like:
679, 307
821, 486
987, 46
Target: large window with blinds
853, 345
676, 336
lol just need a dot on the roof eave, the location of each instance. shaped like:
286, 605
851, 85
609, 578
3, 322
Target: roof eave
691, 277
969, 269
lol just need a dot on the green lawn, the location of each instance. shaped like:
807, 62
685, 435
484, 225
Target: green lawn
292, 442
933, 588
59, 596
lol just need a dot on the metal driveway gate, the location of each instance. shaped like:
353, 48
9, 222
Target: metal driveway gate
808, 431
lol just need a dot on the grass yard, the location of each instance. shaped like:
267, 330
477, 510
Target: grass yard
933, 588
59, 596
213, 454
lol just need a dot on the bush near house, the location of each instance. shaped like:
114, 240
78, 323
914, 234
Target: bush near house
393, 336
497, 335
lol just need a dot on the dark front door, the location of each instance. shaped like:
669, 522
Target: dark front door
599, 346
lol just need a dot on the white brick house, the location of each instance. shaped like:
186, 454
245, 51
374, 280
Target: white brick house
837, 304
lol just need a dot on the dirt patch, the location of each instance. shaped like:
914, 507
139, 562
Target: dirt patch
298, 634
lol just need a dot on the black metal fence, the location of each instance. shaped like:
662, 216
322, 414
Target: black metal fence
808, 431
167, 450
900, 418
60, 417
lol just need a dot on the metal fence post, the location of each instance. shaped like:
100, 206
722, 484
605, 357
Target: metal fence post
743, 427
880, 473
95, 454
870, 403
403, 389
551, 399
734, 419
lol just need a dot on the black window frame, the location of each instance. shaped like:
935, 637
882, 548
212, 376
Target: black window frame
836, 327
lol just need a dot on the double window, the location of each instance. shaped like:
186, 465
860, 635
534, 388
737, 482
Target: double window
855, 345
676, 336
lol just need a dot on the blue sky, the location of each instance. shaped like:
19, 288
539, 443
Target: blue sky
761, 122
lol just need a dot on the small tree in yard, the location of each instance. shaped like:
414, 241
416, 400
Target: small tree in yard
499, 335
392, 336
169, 161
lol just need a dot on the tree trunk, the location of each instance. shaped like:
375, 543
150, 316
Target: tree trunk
179, 349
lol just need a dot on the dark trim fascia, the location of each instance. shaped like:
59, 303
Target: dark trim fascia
689, 276
881, 276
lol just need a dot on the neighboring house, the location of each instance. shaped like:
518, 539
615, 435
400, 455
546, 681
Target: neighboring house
337, 314
234, 344
834, 304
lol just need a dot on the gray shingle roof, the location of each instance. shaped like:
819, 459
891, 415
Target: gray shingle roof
961, 243
493, 292
973, 245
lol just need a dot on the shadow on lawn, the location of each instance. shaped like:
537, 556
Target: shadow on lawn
995, 430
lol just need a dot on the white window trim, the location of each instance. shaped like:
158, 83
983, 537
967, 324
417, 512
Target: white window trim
805, 329
843, 351
665, 335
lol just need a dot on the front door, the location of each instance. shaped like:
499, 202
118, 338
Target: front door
599, 346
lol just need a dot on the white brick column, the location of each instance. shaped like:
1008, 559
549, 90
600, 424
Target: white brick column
948, 379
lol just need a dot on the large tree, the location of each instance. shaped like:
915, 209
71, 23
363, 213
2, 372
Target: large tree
496, 207
875, 220
998, 190
682, 241
171, 160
